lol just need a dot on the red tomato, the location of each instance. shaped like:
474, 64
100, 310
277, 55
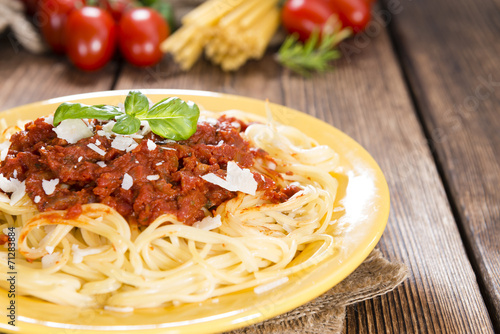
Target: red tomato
141, 31
91, 37
52, 16
353, 13
118, 7
304, 16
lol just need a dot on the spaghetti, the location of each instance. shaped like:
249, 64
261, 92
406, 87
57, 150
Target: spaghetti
230, 33
100, 259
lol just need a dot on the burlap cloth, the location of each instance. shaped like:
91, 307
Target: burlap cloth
326, 314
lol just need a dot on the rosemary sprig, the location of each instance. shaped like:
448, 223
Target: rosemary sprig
311, 56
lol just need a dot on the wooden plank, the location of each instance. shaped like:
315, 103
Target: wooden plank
28, 78
451, 53
366, 98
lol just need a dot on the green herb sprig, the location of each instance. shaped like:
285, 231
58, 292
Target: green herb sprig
315, 54
171, 118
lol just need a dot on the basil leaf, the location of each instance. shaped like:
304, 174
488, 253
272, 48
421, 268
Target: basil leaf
78, 111
173, 118
126, 124
136, 103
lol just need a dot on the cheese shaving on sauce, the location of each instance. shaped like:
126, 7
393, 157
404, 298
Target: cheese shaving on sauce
237, 179
151, 145
49, 120
49, 186
127, 182
153, 177
72, 130
94, 148
123, 143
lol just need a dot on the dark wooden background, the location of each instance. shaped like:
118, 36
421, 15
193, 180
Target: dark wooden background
420, 90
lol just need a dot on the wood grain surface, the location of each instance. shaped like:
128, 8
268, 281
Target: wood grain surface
29, 78
366, 97
452, 62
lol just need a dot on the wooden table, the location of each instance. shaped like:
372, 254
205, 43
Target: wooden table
420, 90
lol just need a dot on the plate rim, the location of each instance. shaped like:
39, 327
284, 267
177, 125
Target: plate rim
231, 322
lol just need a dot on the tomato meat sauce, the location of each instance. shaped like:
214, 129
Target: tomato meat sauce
166, 176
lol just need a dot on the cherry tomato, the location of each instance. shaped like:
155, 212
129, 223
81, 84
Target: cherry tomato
141, 31
305, 16
91, 37
52, 16
353, 13
118, 7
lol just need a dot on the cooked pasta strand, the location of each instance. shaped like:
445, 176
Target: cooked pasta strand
231, 33
99, 259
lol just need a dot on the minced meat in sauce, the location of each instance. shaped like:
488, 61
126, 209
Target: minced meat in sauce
37, 154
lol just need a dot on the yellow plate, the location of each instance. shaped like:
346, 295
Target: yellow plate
363, 193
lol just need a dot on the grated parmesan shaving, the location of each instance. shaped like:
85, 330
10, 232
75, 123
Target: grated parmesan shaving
153, 177
4, 150
208, 223
151, 145
49, 119
123, 143
145, 128
94, 148
72, 130
237, 179
107, 130
209, 120
127, 182
49, 249
49, 186
101, 163
37, 199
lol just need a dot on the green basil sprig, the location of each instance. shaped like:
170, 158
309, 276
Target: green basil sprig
171, 118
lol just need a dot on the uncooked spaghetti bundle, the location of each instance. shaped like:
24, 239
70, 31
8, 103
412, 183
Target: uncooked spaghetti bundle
230, 33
